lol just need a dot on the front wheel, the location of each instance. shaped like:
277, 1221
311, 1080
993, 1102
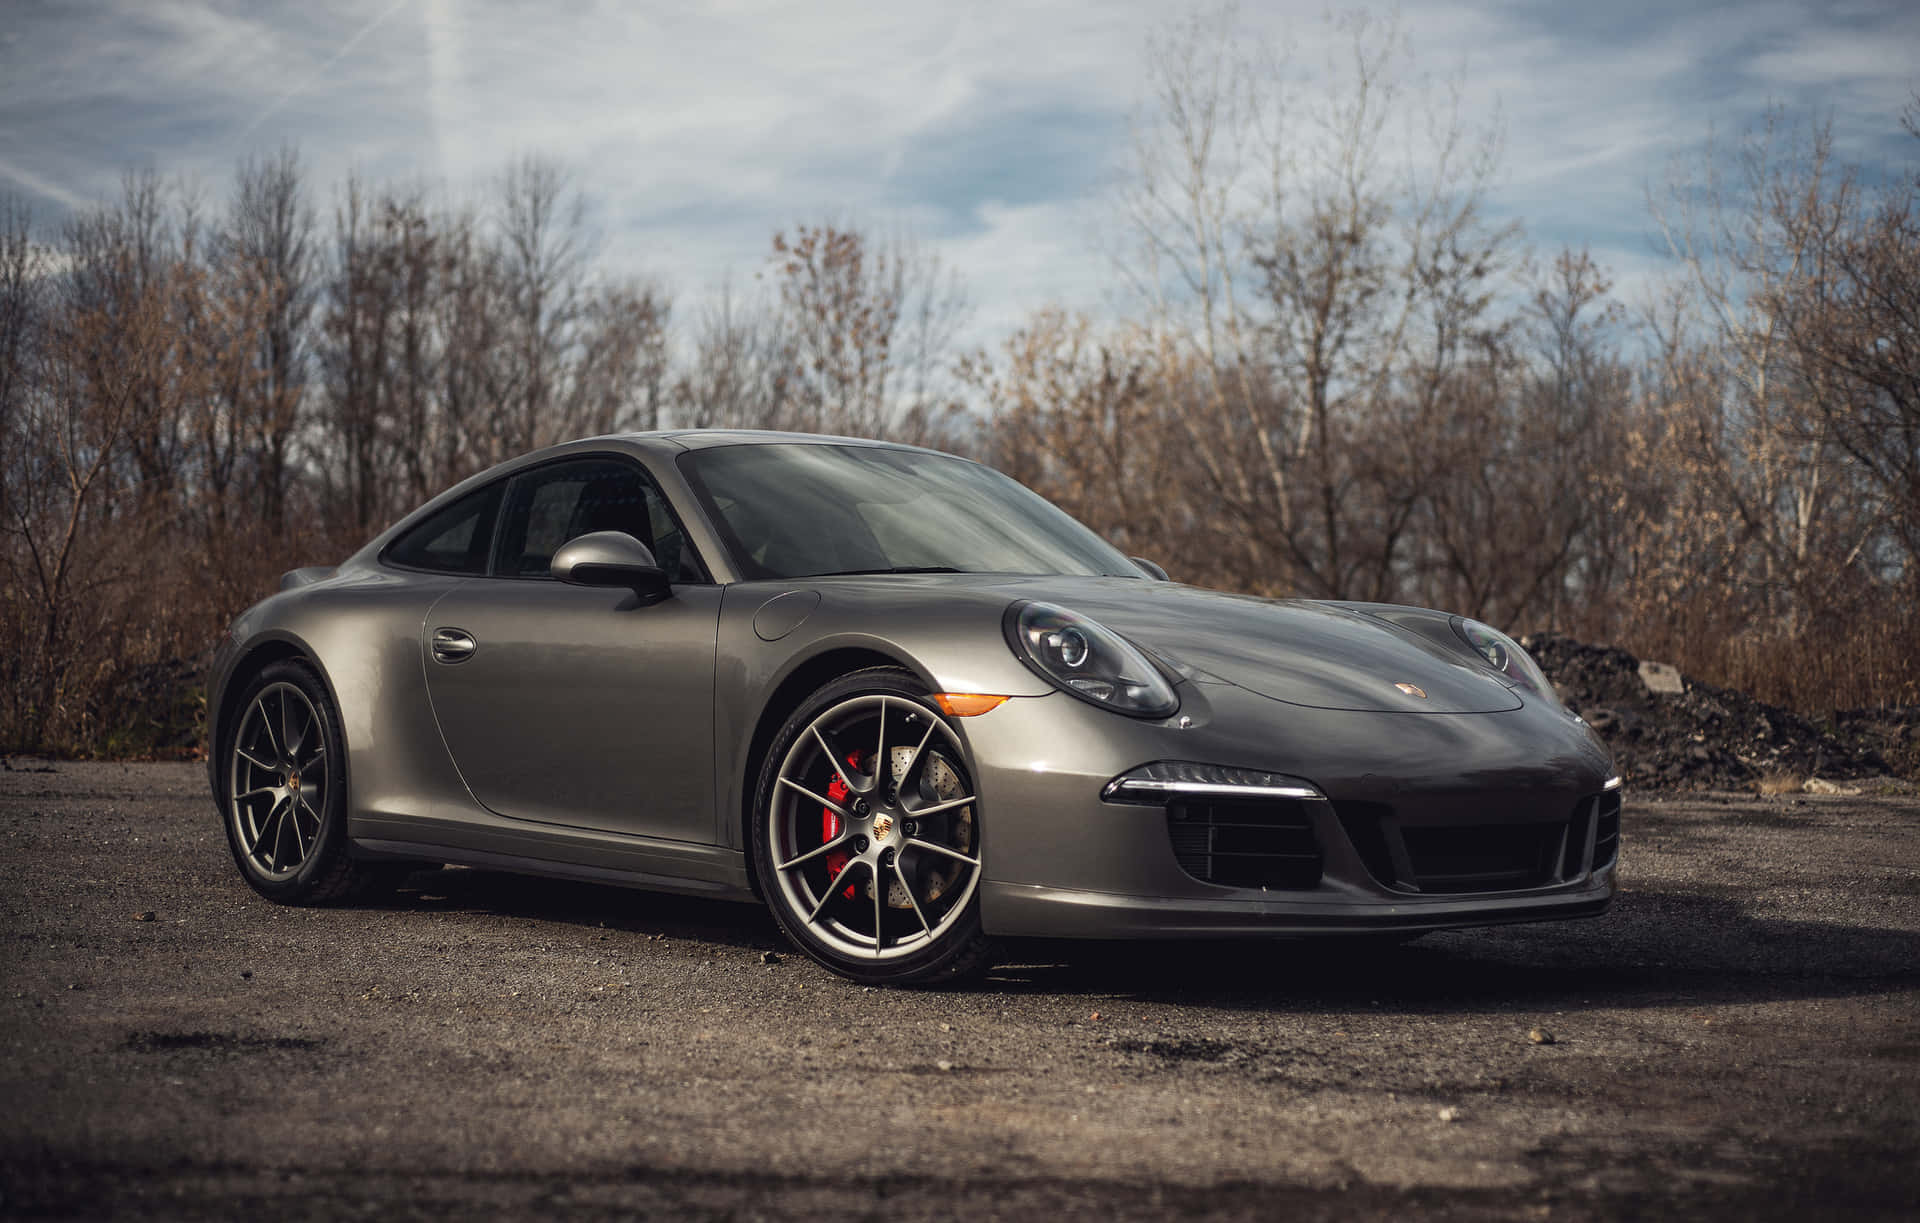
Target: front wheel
284, 793
866, 836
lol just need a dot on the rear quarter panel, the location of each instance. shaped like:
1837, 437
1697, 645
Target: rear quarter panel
363, 629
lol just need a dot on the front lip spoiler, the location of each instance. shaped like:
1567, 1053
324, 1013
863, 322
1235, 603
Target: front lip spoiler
1033, 910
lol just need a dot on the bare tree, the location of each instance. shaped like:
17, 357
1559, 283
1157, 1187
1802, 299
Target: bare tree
736, 374
868, 327
268, 251
1513, 500
1851, 322
1327, 262
1079, 414
1751, 243
101, 384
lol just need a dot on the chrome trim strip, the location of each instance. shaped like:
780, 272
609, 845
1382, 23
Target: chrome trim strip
1613, 783
1148, 788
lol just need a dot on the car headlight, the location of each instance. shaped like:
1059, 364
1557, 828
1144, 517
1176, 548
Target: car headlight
1090, 661
1506, 656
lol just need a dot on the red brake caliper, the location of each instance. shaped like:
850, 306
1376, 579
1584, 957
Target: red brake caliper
830, 823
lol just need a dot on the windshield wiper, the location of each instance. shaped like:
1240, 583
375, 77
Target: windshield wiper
841, 573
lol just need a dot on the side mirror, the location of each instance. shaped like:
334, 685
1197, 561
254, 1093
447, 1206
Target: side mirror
1159, 574
611, 558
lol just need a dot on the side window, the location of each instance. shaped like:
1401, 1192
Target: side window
551, 505
456, 539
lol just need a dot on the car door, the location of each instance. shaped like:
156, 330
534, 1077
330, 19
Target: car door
577, 705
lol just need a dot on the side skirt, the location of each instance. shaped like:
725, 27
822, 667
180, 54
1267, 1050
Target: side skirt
712, 871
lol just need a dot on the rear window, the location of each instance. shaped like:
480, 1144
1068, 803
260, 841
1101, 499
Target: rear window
456, 539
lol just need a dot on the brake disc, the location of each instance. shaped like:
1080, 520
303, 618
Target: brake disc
943, 781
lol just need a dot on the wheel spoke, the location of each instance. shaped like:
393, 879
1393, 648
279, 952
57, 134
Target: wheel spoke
257, 763
937, 808
289, 820
300, 841
880, 766
811, 854
911, 898
828, 803
839, 770
268, 841
306, 731
833, 889
266, 725
913, 761
286, 736
879, 907
241, 798
942, 850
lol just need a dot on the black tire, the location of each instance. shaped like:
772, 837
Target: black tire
951, 946
306, 861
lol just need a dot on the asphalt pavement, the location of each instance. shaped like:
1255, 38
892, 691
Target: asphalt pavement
1738, 1038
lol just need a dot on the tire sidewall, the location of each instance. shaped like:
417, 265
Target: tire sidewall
959, 941
330, 845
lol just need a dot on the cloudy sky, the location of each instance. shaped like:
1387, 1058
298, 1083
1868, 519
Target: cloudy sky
994, 132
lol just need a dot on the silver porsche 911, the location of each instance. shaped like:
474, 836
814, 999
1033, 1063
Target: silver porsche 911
896, 696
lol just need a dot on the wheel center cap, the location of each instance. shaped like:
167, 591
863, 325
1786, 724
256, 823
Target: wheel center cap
293, 782
882, 828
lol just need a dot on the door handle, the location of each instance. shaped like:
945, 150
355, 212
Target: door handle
451, 645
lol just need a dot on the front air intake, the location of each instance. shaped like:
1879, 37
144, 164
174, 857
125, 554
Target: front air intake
1483, 857
1606, 833
1246, 844
1403, 853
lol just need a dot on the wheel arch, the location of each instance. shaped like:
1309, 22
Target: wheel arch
788, 694
259, 654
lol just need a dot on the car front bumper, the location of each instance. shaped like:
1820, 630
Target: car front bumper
1061, 861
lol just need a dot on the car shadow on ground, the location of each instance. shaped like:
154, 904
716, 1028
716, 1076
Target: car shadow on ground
1653, 949
601, 906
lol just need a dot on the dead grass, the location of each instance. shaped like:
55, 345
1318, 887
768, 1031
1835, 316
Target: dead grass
1773, 785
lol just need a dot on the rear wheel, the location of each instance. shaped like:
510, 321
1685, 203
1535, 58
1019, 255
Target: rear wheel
866, 836
285, 798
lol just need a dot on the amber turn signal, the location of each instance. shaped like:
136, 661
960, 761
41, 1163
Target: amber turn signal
966, 704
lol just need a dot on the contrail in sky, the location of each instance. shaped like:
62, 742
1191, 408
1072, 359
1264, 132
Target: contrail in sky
41, 186
321, 71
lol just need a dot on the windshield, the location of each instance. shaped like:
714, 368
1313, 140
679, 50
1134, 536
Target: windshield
805, 509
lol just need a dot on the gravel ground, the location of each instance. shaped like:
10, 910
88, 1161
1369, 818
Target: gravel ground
1738, 1038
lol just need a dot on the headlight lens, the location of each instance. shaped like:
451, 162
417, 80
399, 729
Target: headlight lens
1088, 660
1506, 656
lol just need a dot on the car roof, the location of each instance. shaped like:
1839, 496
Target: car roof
704, 439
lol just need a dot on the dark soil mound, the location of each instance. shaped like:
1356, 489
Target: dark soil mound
1708, 738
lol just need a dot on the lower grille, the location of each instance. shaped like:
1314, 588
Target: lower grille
1265, 844
1483, 857
1465, 858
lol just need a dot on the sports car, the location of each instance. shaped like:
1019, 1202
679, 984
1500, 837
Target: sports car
905, 702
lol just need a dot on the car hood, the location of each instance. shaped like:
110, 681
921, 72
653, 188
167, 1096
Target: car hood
1319, 655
